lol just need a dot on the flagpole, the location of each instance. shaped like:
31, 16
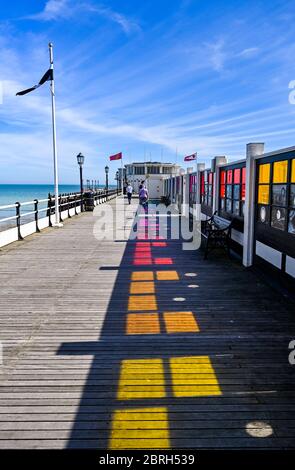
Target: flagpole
56, 195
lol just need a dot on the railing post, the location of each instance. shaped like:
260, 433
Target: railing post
75, 204
81, 202
36, 214
60, 207
17, 210
49, 209
253, 150
69, 206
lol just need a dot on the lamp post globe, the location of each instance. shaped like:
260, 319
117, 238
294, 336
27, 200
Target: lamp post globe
106, 169
80, 161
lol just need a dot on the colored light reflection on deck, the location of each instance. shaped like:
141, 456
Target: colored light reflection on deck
167, 276
163, 261
142, 324
140, 428
193, 377
142, 276
180, 322
141, 379
145, 287
142, 302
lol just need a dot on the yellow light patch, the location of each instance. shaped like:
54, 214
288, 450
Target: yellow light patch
142, 324
193, 377
167, 276
141, 378
293, 172
142, 302
264, 173
142, 276
140, 428
263, 194
145, 287
180, 322
280, 172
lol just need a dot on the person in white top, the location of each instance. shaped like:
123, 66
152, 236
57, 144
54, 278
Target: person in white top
129, 191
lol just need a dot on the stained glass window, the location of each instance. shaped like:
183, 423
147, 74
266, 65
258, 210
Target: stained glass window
280, 172
263, 194
264, 173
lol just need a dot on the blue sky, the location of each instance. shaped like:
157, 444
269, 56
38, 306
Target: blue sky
143, 78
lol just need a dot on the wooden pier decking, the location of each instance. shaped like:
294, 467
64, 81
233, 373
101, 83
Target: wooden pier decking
139, 344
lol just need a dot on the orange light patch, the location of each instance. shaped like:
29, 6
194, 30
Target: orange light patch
142, 302
142, 287
163, 261
159, 243
167, 276
142, 276
180, 322
142, 324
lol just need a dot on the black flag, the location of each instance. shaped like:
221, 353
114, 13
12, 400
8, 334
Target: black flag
47, 76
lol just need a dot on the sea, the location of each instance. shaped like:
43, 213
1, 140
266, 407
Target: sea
11, 193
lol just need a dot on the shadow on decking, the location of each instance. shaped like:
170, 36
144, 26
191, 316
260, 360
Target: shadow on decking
244, 331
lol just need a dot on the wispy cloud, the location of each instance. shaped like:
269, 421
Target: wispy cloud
249, 52
55, 10
216, 54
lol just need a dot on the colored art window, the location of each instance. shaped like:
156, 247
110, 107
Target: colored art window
293, 171
237, 176
222, 191
264, 173
280, 172
229, 176
244, 175
222, 177
263, 194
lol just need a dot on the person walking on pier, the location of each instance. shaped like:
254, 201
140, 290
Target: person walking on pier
129, 191
143, 197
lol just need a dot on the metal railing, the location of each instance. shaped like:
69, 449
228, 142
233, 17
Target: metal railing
46, 208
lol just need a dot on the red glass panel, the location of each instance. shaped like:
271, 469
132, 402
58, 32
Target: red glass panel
243, 192
202, 183
222, 190
222, 177
244, 175
210, 178
237, 176
230, 177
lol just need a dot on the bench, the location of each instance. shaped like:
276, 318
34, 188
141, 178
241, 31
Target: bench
217, 233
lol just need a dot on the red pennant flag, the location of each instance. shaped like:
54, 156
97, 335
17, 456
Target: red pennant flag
118, 156
189, 158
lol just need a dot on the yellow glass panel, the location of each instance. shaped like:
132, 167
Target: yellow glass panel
293, 172
167, 276
141, 378
180, 322
140, 428
193, 377
280, 172
142, 324
264, 173
142, 276
145, 287
142, 302
263, 194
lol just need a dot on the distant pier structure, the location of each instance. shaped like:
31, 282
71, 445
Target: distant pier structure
152, 173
